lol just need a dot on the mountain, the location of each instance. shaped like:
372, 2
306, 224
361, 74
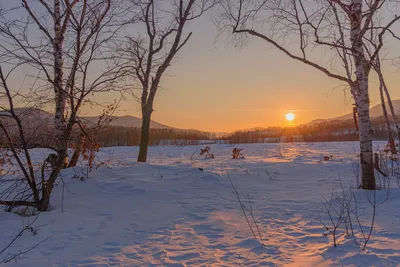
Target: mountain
375, 112
35, 117
127, 121
39, 129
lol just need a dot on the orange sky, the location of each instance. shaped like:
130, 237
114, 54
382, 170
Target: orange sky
215, 87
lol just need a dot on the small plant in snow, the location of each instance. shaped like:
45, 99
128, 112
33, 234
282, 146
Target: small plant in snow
89, 155
248, 214
207, 153
237, 153
14, 256
343, 211
271, 175
336, 208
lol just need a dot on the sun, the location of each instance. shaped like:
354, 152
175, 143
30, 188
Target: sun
289, 116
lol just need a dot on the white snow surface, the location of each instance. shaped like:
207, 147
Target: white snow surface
167, 212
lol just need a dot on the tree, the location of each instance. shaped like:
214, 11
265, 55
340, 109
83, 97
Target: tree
385, 98
152, 52
330, 26
376, 65
60, 47
382, 91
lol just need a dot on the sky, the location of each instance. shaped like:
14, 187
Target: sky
214, 86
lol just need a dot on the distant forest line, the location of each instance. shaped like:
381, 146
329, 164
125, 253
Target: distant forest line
319, 132
108, 136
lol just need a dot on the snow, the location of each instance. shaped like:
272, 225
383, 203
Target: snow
168, 212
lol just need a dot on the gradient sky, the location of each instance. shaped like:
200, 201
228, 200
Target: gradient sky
214, 86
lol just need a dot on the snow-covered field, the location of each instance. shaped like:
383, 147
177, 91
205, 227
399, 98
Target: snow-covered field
167, 212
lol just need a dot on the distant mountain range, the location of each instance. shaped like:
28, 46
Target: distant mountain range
127, 121
33, 116
375, 112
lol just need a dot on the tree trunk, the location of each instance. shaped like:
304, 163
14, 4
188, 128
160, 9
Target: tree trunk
60, 95
366, 149
386, 117
361, 95
78, 151
47, 188
62, 153
389, 100
44, 203
144, 135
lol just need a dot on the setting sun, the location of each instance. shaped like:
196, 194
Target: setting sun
289, 116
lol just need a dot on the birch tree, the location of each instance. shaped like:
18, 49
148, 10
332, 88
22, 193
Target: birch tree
151, 53
61, 45
306, 30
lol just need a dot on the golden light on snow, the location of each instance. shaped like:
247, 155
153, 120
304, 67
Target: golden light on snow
289, 116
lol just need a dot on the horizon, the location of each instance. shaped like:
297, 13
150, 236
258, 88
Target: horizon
286, 125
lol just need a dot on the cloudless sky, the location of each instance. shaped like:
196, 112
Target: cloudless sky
216, 87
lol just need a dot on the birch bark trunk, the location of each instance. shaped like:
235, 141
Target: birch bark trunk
362, 96
60, 95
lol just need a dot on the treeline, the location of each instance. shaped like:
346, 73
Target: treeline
260, 135
320, 132
341, 131
130, 136
112, 136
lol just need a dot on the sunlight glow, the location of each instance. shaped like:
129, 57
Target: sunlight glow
289, 116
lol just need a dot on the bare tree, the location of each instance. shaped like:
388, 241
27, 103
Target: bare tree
376, 66
382, 84
337, 27
62, 46
152, 52
385, 98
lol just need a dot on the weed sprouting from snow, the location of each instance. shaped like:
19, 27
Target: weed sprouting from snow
237, 153
29, 228
336, 209
343, 212
207, 153
273, 175
192, 156
247, 210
